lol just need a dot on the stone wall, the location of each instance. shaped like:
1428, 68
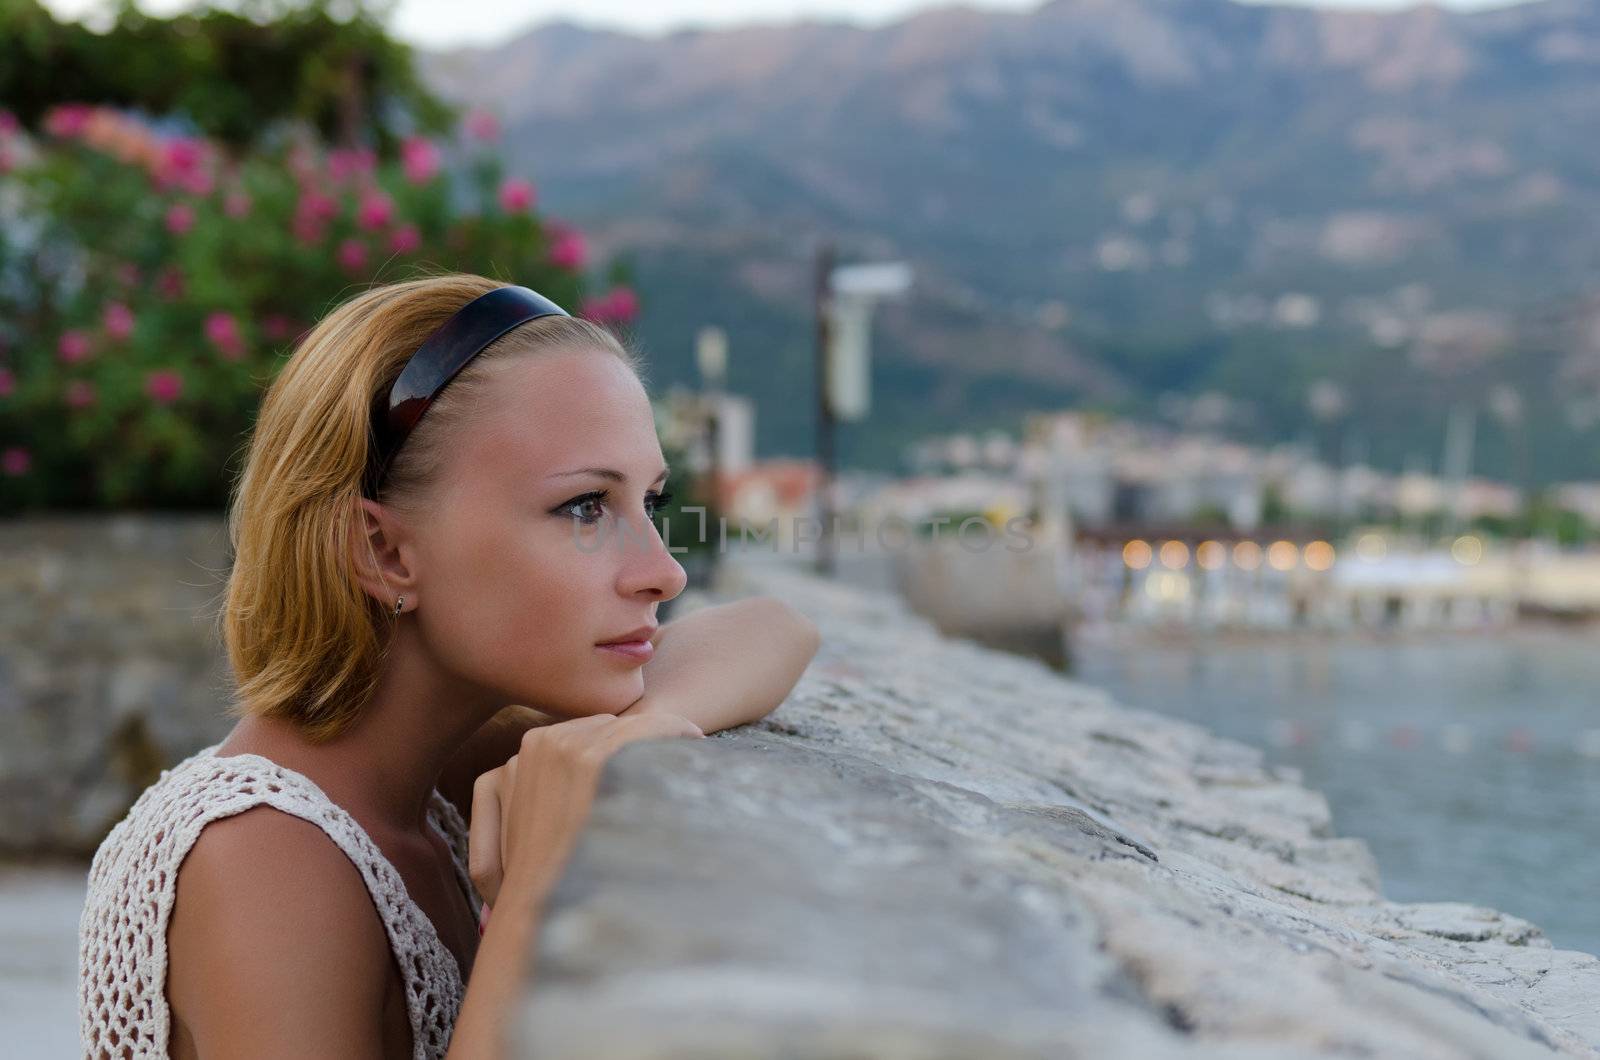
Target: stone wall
936, 850
109, 669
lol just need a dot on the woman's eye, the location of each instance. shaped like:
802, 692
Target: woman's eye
590, 509
586, 510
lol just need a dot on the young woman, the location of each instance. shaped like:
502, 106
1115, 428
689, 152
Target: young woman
437, 623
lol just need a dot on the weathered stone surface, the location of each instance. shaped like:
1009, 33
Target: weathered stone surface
109, 668
936, 850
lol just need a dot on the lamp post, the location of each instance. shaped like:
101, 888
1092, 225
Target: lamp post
845, 296
1458, 432
824, 559
1329, 402
711, 355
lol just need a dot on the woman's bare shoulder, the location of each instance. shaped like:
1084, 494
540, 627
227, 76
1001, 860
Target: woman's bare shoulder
273, 930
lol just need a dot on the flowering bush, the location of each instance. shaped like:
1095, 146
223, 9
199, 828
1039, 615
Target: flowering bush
151, 282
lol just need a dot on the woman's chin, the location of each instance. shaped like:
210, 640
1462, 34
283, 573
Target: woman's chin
627, 693
609, 696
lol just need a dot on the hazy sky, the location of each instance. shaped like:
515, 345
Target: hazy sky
440, 22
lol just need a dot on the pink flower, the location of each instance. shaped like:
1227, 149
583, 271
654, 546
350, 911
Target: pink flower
236, 205
516, 196
221, 327
352, 255
317, 206
180, 162
375, 211
8, 127
483, 125
277, 327
351, 162
568, 249
405, 239
68, 120
170, 283
127, 274
222, 331
198, 182
117, 320
180, 218
420, 159
80, 394
616, 306
8, 382
15, 461
183, 153
624, 303
307, 230
73, 346
163, 387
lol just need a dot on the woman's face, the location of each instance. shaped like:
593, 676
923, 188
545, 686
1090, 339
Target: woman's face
542, 546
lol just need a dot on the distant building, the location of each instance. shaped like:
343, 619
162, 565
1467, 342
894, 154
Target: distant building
683, 421
1580, 497
1096, 471
784, 490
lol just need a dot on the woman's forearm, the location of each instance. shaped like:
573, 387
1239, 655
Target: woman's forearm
500, 975
728, 664
720, 666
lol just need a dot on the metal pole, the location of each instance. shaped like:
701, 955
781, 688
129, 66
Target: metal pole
825, 425
1457, 460
712, 432
711, 356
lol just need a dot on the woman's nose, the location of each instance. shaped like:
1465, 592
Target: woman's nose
648, 566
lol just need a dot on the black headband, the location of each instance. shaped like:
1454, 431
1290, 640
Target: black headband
474, 326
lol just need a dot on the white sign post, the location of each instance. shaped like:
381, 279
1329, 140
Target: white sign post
844, 297
853, 291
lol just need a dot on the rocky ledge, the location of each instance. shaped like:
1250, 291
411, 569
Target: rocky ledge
932, 849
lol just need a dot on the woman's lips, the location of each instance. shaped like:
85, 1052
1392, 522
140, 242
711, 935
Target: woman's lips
640, 650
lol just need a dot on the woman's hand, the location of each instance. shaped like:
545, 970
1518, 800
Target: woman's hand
527, 814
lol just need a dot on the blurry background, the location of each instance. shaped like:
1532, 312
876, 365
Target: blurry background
1278, 326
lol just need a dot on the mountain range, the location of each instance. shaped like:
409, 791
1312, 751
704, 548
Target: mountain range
1193, 211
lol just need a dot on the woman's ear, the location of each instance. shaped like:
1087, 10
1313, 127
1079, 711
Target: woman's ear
381, 554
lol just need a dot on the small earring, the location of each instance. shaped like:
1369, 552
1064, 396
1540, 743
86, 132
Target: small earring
398, 604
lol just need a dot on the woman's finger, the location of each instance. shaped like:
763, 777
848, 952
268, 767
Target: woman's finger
507, 789
634, 728
578, 724
485, 845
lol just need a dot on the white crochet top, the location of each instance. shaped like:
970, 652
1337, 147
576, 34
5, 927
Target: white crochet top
122, 937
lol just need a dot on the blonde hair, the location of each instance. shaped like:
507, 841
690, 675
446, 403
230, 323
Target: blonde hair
305, 641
